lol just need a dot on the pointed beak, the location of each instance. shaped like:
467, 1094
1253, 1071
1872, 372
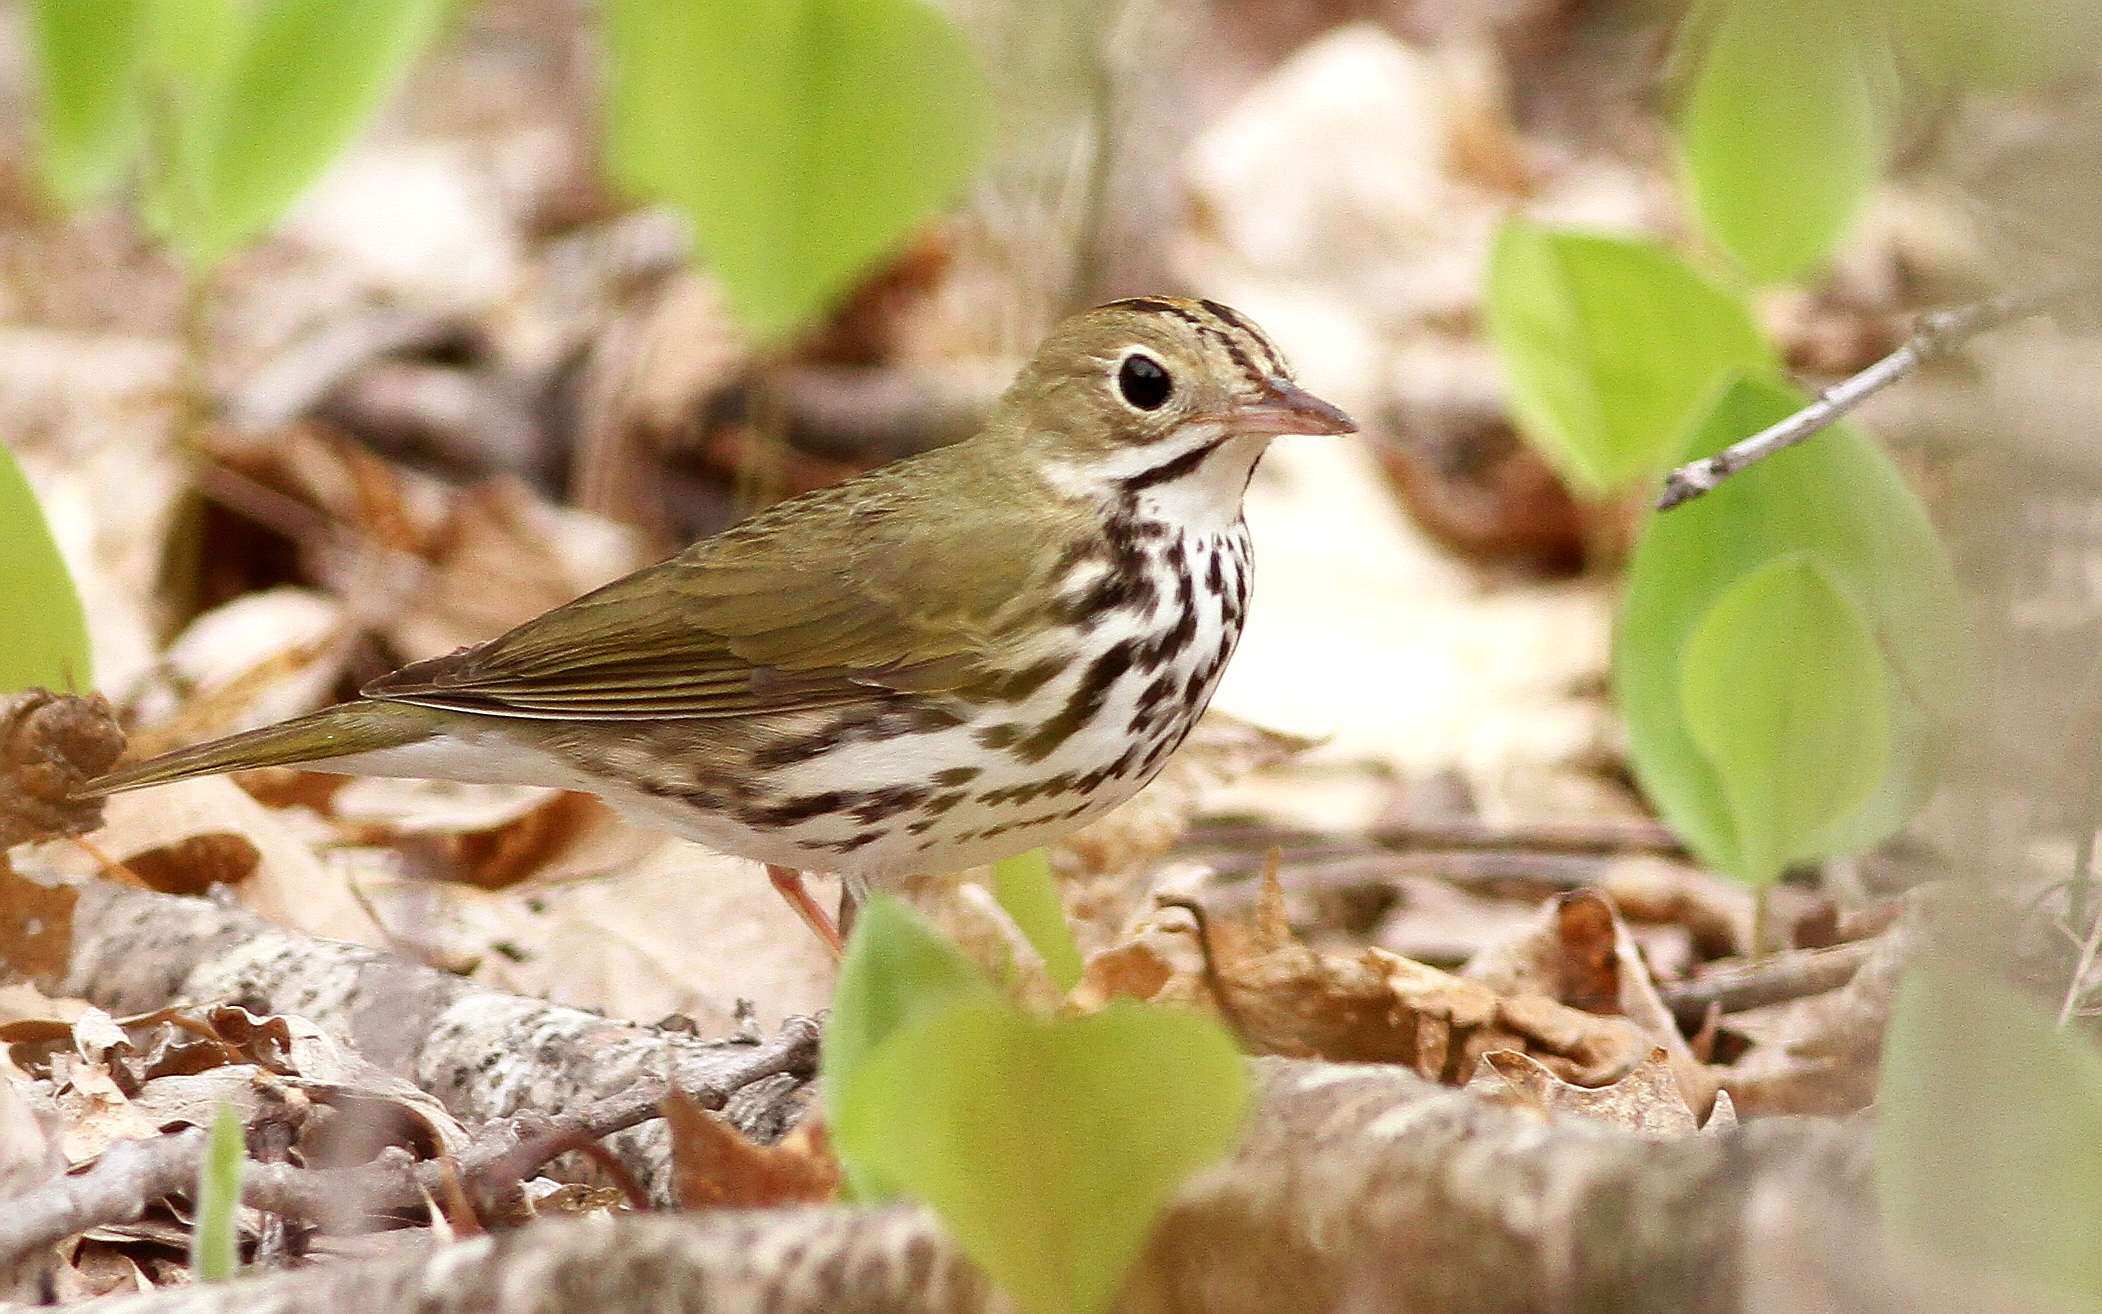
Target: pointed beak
1288, 408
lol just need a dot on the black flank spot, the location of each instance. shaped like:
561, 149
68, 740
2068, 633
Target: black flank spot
1175, 640
849, 845
883, 804
1071, 813
956, 776
892, 719
998, 736
942, 803
1149, 702
1082, 707
1049, 786
1121, 588
1169, 471
1018, 685
1215, 576
798, 809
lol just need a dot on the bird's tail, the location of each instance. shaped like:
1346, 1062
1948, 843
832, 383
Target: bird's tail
337, 731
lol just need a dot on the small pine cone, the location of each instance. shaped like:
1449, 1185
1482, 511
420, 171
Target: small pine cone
50, 745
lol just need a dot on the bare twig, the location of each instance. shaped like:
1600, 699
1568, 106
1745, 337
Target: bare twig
1546, 836
1936, 336
128, 1177
1775, 979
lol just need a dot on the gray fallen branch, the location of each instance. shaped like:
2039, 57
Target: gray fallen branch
1936, 336
1775, 979
1358, 1187
484, 1053
132, 1174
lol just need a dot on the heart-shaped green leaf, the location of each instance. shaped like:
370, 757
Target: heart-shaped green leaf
1610, 349
258, 98
304, 78
1988, 1120
1783, 129
1028, 890
1839, 499
804, 139
897, 968
1784, 695
46, 633
1048, 1147
88, 54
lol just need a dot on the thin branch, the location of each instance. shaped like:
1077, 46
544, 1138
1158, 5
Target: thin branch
1774, 979
1936, 336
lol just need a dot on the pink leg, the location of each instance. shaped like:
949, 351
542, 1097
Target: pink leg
788, 882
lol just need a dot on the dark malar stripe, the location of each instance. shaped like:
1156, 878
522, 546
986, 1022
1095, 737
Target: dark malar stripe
1168, 472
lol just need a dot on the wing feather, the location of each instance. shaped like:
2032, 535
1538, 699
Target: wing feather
823, 600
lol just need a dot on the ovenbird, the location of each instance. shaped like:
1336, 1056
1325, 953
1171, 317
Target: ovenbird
946, 661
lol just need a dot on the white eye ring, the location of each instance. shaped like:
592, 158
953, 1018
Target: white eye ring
1141, 381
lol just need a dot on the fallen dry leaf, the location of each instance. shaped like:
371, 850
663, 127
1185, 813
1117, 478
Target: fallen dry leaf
287, 883
1647, 1101
1282, 997
36, 925
715, 1167
1579, 952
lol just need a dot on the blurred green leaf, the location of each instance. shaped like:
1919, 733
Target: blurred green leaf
804, 139
897, 968
190, 44
1027, 889
46, 631
1988, 1123
1784, 695
1839, 499
1049, 1147
1783, 127
1610, 347
215, 1240
308, 76
88, 54
262, 96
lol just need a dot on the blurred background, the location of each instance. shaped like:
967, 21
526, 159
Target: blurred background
467, 308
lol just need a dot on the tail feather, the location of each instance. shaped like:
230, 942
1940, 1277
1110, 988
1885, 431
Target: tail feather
331, 732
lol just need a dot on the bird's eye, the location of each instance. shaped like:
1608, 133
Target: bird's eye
1144, 382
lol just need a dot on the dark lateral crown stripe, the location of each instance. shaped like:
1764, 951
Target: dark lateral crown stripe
1236, 329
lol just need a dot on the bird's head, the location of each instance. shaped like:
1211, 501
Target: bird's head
1161, 399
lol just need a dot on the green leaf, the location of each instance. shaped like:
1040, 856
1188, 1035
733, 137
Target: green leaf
46, 631
309, 75
1027, 889
1611, 348
1782, 132
896, 969
804, 139
1049, 1147
215, 1241
1839, 499
88, 55
1988, 1123
1783, 692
